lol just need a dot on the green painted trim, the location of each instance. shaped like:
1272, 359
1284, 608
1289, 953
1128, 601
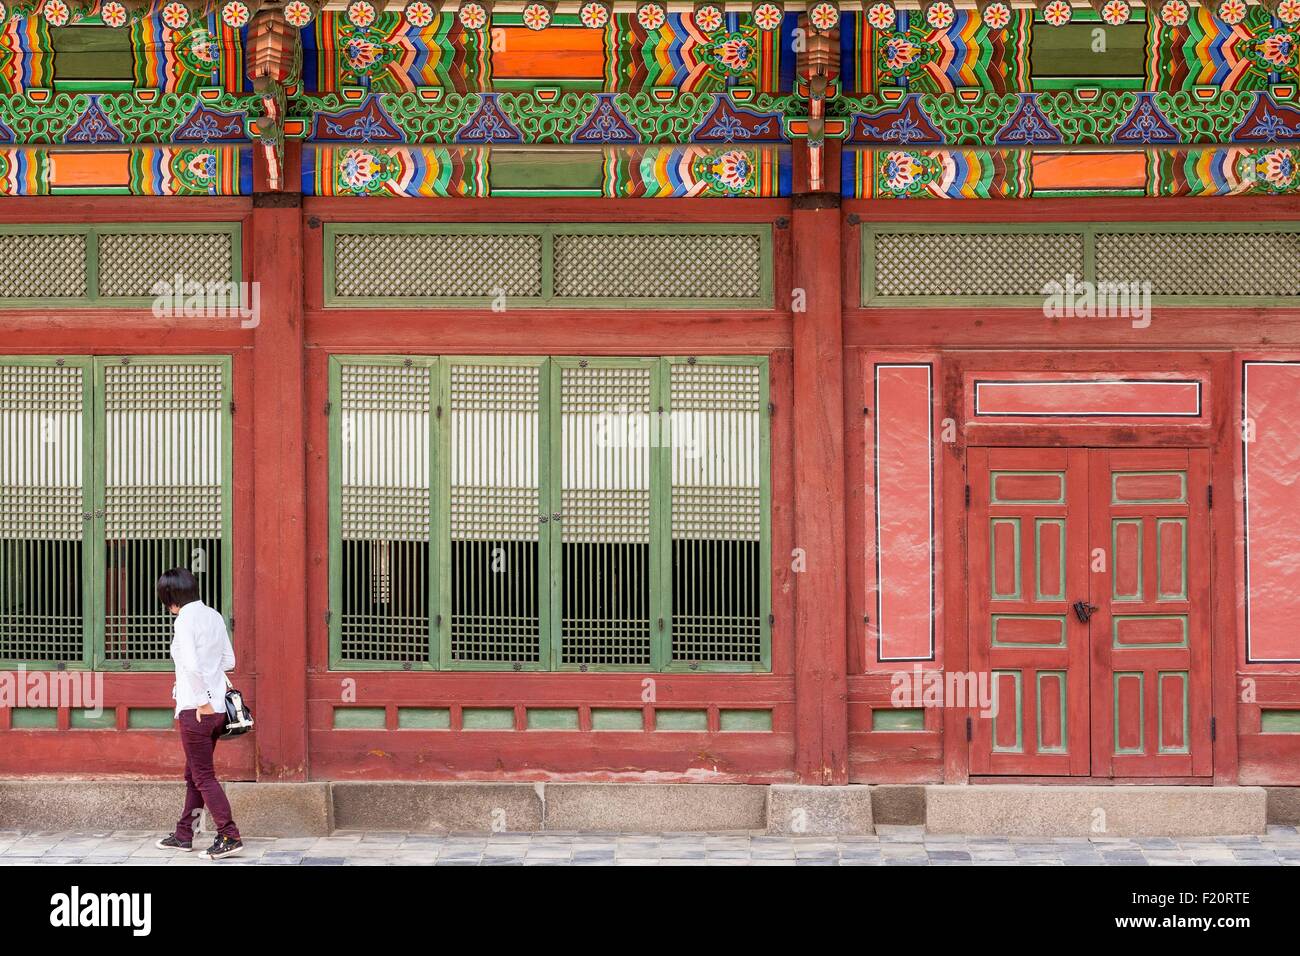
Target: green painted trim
1019, 747
1116, 677
1114, 559
149, 718
552, 718
1270, 721
745, 721
92, 232
79, 719
34, 718
547, 232
1063, 678
615, 718
993, 489
1161, 677
487, 718
360, 718
1087, 233
424, 718
995, 619
994, 593
1117, 618
897, 720
1181, 594
1059, 594
681, 720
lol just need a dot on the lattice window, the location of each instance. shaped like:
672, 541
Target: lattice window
1203, 264
131, 264
384, 474
670, 265
549, 265
957, 263
164, 505
520, 519
494, 460
718, 506
437, 266
42, 499
42, 265
607, 429
113, 471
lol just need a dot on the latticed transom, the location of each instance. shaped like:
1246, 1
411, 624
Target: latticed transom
495, 512
605, 523
1212, 264
681, 265
973, 264
476, 265
717, 511
42, 528
164, 448
132, 264
35, 265
384, 424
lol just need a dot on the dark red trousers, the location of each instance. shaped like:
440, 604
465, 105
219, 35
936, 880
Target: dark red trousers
199, 733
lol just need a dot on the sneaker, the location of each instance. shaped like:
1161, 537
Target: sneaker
169, 842
223, 847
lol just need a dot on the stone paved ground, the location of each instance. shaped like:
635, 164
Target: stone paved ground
892, 845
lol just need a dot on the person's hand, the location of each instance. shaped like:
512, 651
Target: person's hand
205, 710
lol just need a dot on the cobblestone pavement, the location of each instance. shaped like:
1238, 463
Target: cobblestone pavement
891, 845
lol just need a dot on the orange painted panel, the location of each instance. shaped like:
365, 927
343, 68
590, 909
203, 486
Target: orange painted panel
1089, 171
556, 52
73, 169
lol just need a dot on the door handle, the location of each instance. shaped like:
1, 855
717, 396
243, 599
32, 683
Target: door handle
1083, 611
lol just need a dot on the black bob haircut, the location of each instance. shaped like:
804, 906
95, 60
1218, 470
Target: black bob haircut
177, 587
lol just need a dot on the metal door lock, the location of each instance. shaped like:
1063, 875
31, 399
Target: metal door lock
1083, 611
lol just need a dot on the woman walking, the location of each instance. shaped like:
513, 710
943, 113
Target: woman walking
202, 653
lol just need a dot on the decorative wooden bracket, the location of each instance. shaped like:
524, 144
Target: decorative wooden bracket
273, 53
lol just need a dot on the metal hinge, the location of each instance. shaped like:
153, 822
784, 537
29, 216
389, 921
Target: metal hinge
1214, 730
232, 623
437, 621
970, 730
232, 408
661, 623
437, 413
771, 409
328, 615
1209, 496
771, 620
328, 406
968, 496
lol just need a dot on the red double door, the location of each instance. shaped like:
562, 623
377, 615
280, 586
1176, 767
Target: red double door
1089, 577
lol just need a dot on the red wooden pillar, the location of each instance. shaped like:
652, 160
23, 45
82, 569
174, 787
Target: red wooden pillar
279, 480
821, 693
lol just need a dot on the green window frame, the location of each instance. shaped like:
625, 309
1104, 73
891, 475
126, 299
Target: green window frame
1085, 233
93, 234
127, 463
564, 476
546, 236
